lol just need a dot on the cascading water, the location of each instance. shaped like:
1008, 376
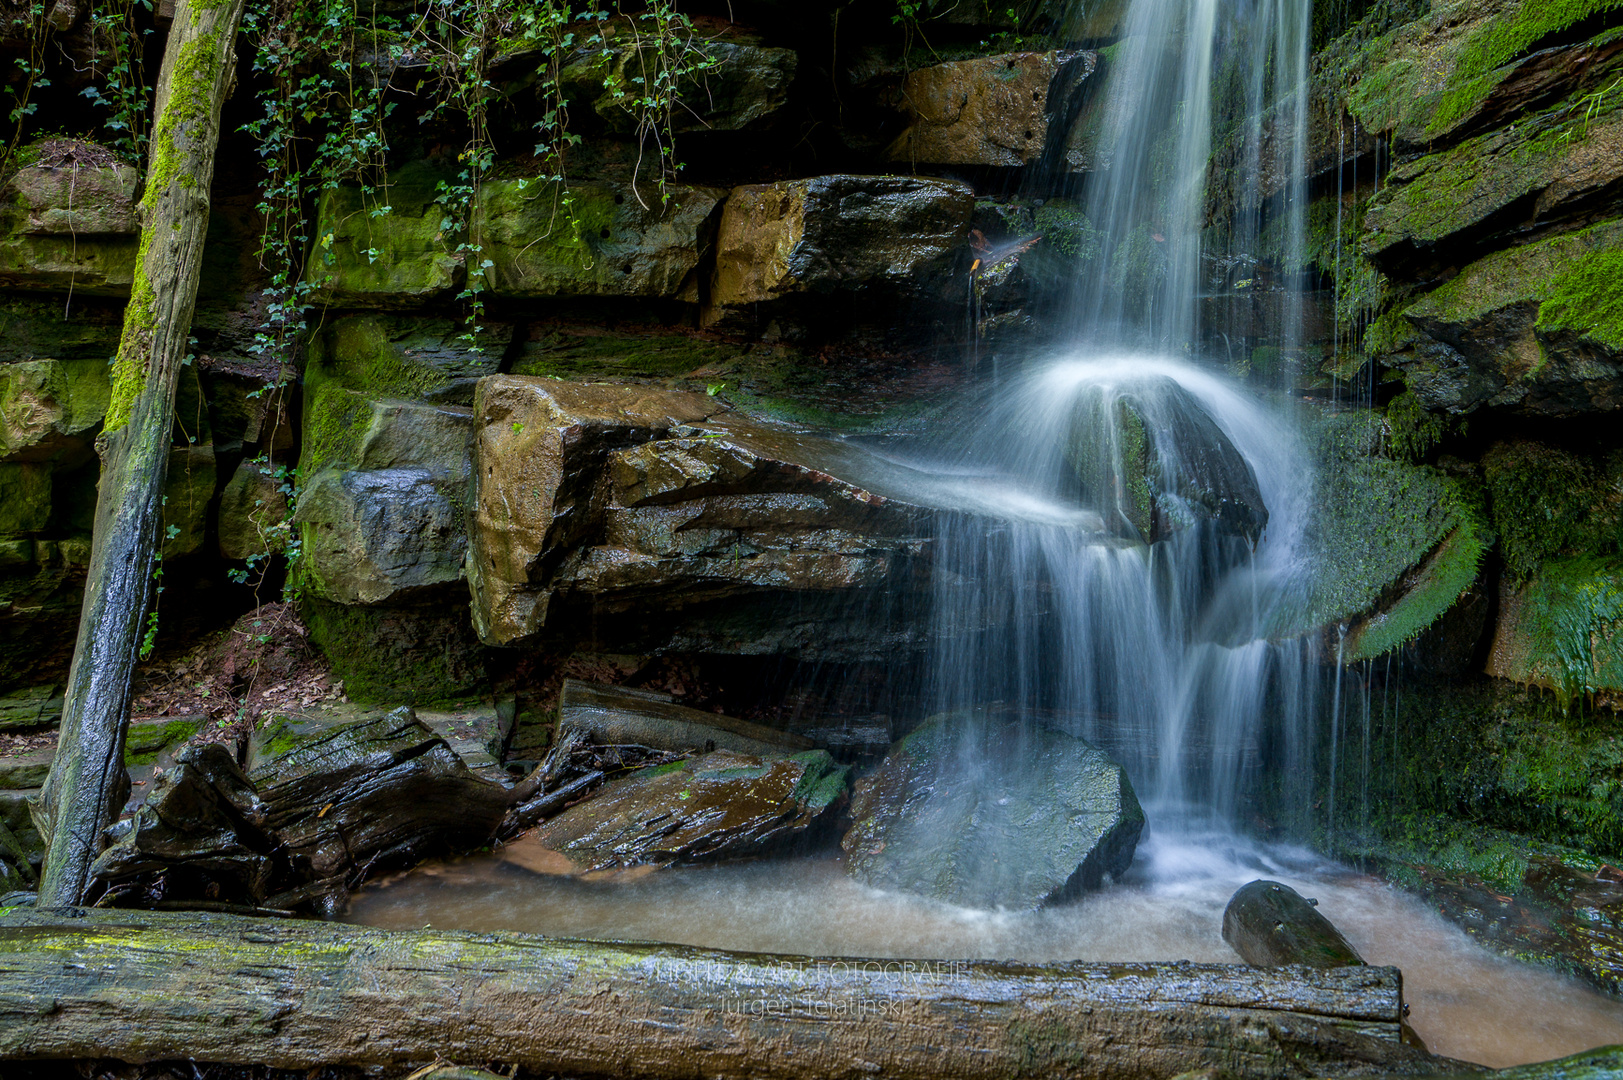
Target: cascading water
1144, 620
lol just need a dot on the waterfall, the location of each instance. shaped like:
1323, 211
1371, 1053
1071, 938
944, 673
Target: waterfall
1139, 520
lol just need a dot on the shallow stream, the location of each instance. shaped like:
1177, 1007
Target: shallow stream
1466, 1002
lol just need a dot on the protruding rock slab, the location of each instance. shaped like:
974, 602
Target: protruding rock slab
342, 786
1271, 925
538, 444
993, 110
983, 813
297, 994
836, 233
714, 808
31, 708
614, 714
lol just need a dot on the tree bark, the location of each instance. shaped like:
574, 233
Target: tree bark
147, 986
83, 790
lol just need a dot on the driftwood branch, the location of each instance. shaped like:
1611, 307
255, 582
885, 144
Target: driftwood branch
147, 986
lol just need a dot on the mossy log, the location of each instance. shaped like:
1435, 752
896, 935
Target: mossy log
87, 779
148, 986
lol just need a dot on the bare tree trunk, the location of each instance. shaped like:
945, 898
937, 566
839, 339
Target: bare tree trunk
147, 986
82, 793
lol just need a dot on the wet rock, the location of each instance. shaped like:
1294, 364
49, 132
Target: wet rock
1530, 328
202, 828
477, 734
836, 234
617, 714
1559, 629
993, 110
1272, 925
373, 535
538, 447
718, 807
1493, 191
976, 812
253, 510
69, 227
1166, 466
344, 787
630, 241
25, 769
49, 409
421, 650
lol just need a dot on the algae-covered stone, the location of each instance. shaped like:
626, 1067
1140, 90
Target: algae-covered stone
993, 110
253, 509
343, 786
537, 446
1563, 629
417, 650
34, 707
1463, 200
372, 534
369, 258
714, 808
592, 239
69, 227
188, 491
1270, 925
836, 233
1539, 327
979, 812
25, 498
49, 409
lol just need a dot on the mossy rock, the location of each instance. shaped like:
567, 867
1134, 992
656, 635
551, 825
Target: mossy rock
49, 408
419, 655
1395, 544
25, 499
591, 239
69, 228
366, 257
1563, 630
1538, 328
1548, 503
188, 492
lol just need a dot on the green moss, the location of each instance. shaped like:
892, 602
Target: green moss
393, 656
1588, 298
1547, 502
1066, 228
823, 782
1571, 628
1413, 431
1440, 581
1505, 39
147, 741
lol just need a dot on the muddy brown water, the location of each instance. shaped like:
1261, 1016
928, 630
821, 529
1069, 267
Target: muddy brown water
1466, 1002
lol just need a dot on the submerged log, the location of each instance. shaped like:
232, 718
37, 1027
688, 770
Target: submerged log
1271, 925
149, 986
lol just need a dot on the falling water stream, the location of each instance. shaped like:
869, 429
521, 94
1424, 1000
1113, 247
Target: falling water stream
1128, 539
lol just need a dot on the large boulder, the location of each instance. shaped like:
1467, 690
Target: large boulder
714, 808
538, 447
372, 534
599, 497
982, 813
993, 110
836, 234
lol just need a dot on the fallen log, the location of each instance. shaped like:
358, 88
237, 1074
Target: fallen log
1271, 925
149, 986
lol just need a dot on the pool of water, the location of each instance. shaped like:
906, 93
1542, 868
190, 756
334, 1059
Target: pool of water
1466, 1002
